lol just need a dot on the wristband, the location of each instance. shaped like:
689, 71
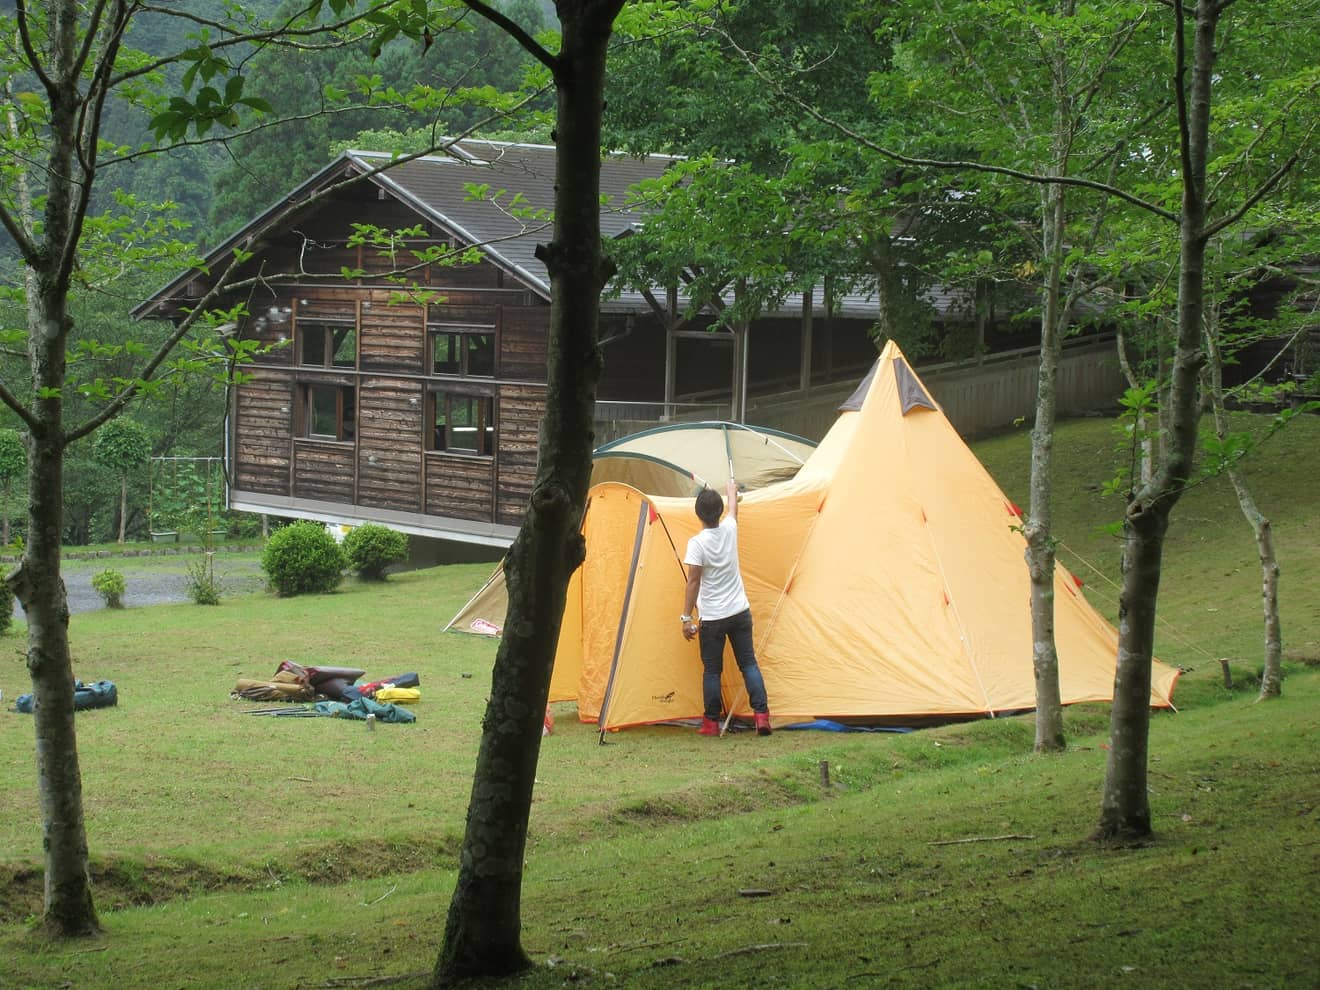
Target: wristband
685, 619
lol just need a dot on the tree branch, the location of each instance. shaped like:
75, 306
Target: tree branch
277, 35
1254, 198
33, 58
1062, 180
22, 411
1180, 90
89, 39
514, 30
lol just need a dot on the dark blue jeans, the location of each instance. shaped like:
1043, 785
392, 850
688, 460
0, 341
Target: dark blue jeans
738, 630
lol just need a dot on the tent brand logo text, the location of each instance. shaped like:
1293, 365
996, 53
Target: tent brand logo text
664, 699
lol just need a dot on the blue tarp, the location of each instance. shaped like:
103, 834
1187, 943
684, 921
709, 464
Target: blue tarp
360, 708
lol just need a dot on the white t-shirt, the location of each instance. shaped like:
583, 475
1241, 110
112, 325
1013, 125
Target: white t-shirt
715, 551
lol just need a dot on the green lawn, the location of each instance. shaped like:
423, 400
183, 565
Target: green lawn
234, 850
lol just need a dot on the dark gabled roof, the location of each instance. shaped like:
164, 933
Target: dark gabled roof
436, 187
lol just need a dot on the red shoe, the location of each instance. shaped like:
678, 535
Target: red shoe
763, 723
709, 727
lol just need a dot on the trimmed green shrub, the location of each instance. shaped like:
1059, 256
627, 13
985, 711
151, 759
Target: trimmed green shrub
303, 558
372, 548
110, 585
6, 602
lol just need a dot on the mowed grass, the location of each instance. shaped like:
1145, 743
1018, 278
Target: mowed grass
235, 850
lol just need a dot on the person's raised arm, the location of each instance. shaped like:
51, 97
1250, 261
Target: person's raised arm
731, 498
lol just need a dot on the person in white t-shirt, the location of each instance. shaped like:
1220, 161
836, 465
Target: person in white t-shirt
715, 592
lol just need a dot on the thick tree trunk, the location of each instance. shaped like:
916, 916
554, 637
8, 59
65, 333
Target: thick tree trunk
483, 927
1125, 806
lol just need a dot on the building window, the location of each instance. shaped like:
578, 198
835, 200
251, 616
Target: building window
463, 424
329, 412
462, 352
327, 345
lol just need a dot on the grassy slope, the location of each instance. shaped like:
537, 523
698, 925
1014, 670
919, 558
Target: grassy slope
639, 848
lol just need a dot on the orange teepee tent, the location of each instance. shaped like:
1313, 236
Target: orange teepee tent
886, 580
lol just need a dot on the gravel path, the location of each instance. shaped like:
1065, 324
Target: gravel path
157, 579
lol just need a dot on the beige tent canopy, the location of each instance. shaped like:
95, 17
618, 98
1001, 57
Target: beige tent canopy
682, 458
677, 459
886, 580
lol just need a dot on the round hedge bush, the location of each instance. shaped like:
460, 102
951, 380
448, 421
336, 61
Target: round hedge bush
372, 548
302, 558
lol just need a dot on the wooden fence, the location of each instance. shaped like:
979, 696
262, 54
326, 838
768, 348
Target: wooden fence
978, 397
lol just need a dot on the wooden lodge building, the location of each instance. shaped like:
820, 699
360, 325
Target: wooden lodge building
418, 404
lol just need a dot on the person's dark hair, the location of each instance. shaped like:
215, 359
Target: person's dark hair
709, 506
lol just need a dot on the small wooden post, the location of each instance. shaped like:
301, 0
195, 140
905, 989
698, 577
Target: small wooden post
825, 773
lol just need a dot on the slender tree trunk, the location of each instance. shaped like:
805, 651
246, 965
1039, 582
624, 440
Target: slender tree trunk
1038, 529
69, 911
483, 926
1125, 805
1142, 471
123, 508
1271, 680
881, 254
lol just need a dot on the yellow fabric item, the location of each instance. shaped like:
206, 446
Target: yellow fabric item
399, 696
886, 580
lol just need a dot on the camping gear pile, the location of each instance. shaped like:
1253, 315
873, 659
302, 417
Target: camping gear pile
335, 691
97, 694
886, 579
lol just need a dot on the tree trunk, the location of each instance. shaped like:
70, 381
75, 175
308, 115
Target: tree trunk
483, 926
1038, 528
1271, 679
69, 911
1125, 806
123, 508
1142, 471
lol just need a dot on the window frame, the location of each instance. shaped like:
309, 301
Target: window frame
462, 331
487, 421
326, 329
345, 402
